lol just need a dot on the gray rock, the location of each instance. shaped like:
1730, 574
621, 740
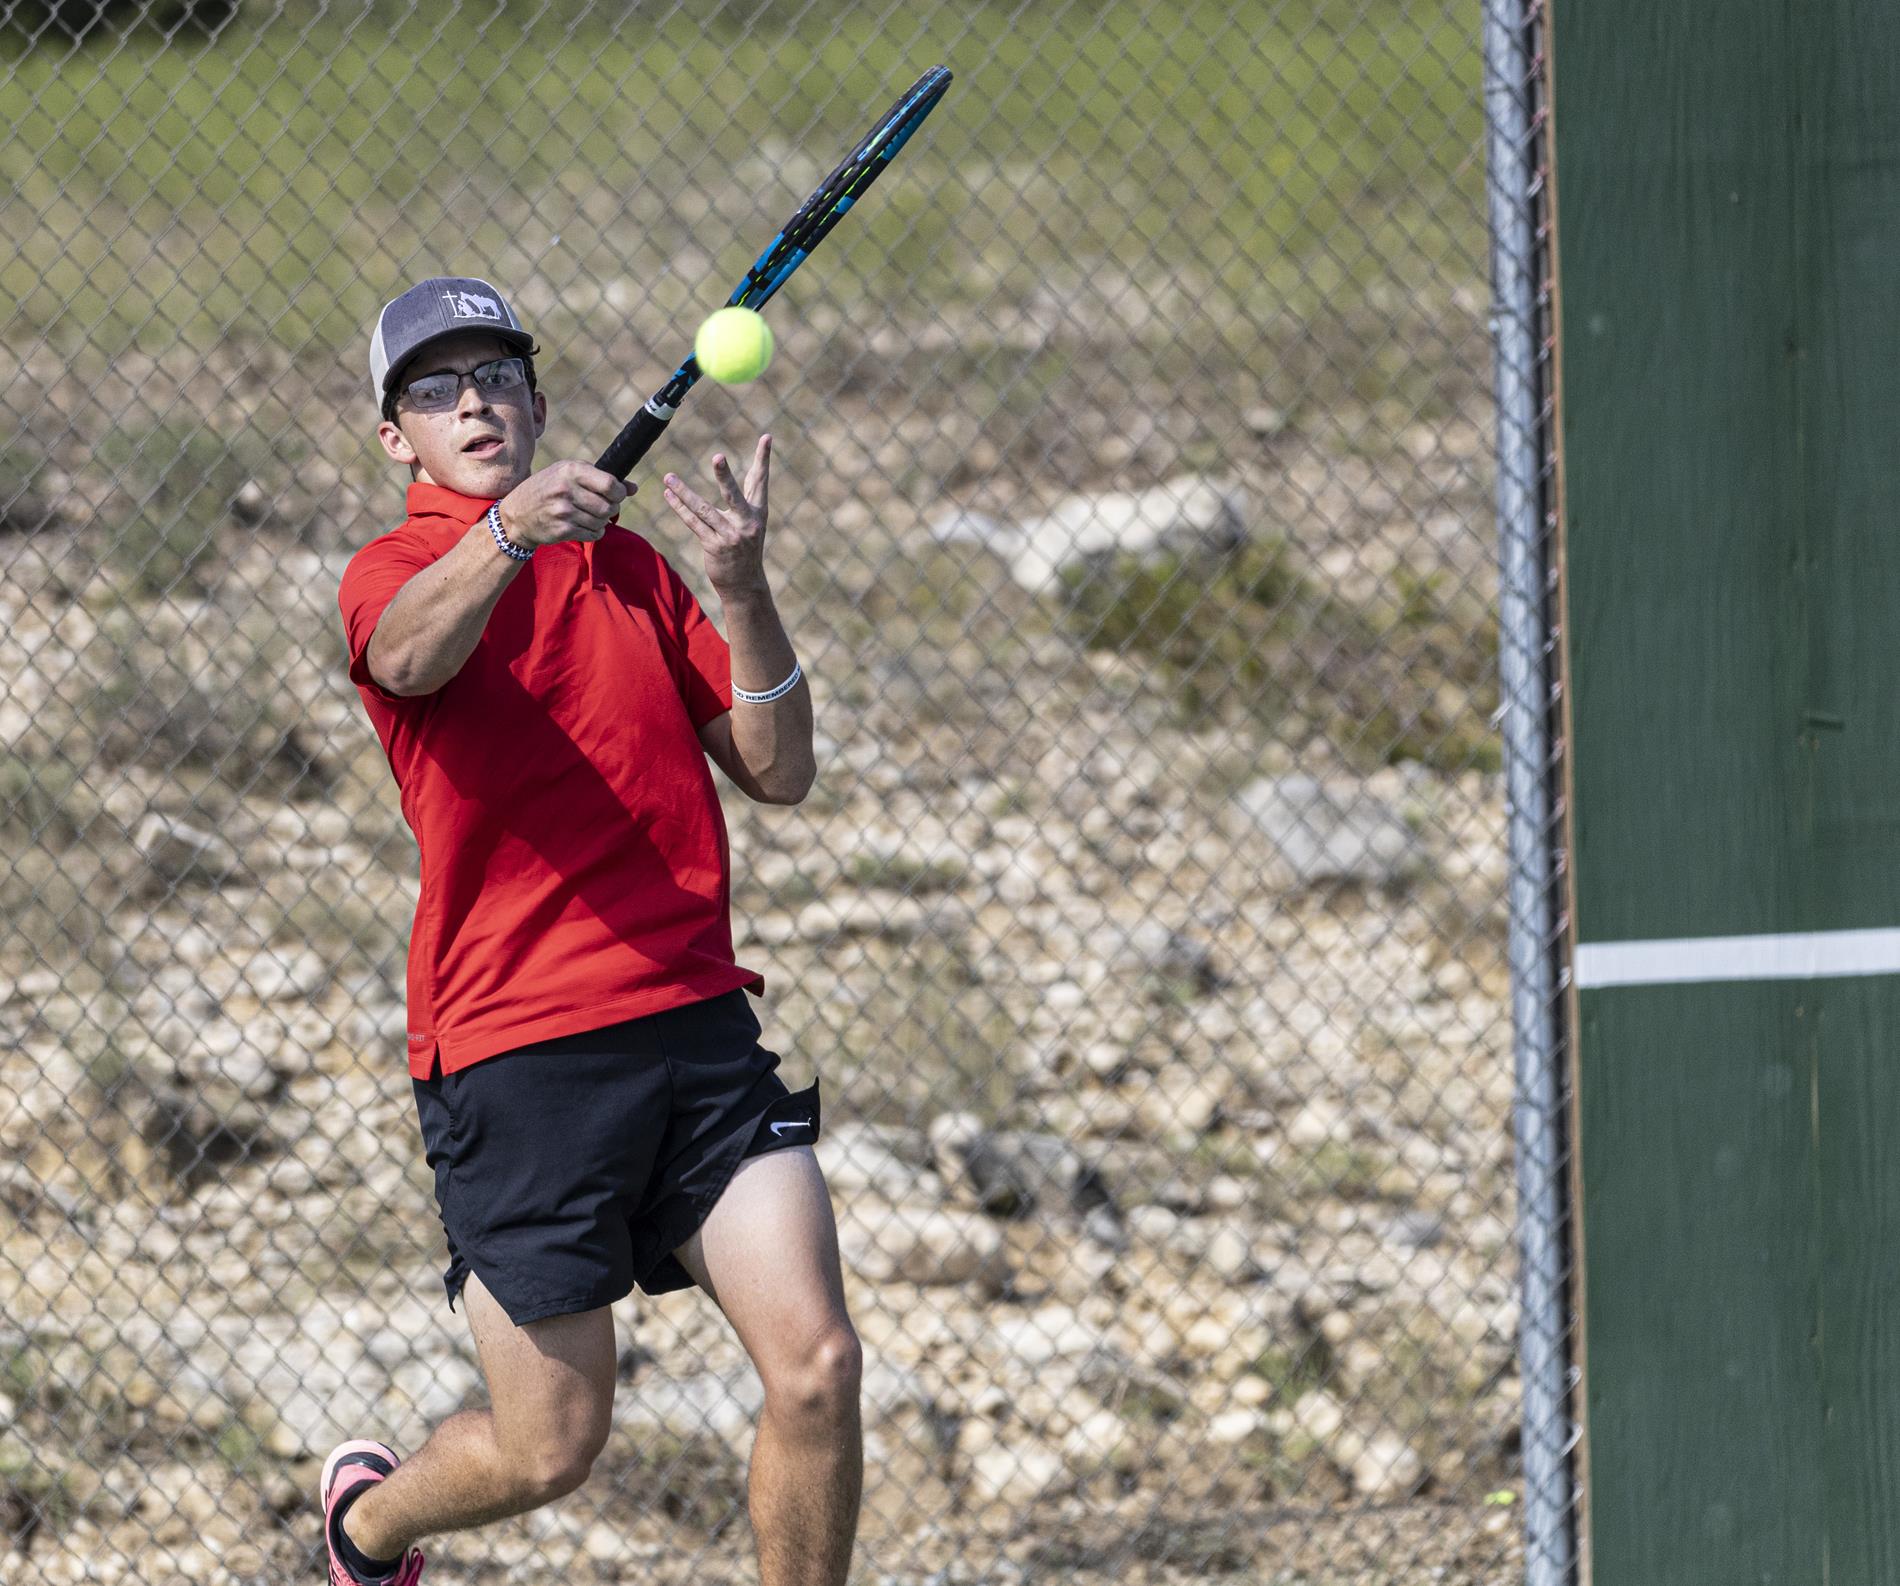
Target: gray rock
951, 1134
923, 1245
288, 978
246, 1072
888, 1389
958, 526
1328, 832
177, 852
892, 1163
1018, 1472
1415, 1230
1156, 949
723, 1403
1139, 1173
1011, 1173
193, 1132
1104, 1226
1386, 1468
1192, 513
1380, 1465
378, 1027
1051, 1333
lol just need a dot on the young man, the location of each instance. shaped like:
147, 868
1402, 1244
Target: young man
592, 1094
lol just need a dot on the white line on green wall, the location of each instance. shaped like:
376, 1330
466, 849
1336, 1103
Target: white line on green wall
1799, 955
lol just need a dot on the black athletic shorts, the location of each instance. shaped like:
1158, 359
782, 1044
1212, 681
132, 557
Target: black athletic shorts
570, 1170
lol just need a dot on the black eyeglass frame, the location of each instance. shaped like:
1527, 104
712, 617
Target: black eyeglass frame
491, 378
397, 393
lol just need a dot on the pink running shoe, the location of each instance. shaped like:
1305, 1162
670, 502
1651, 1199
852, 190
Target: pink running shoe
349, 1466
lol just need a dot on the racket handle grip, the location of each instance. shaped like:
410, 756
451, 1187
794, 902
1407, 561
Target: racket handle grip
634, 442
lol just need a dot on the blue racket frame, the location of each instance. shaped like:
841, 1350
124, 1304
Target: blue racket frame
810, 224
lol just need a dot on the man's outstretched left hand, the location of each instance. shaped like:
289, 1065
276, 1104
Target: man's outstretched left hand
732, 537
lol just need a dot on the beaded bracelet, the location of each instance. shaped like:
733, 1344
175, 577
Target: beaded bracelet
520, 553
770, 694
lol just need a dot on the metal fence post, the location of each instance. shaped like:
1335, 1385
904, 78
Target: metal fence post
1526, 670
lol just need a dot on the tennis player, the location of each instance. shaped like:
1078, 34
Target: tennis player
592, 1094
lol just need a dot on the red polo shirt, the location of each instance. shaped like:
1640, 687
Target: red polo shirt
575, 867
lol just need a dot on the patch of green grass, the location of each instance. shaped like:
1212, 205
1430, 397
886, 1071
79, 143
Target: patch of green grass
1445, 638
1226, 630
1154, 605
217, 728
1295, 1370
44, 800
179, 481
1411, 677
23, 498
906, 873
33, 1496
1225, 1151
331, 914
1425, 1389
1336, 1168
798, 888
1173, 990
1147, 1403
1007, 798
1321, 152
54, 905
109, 1068
22, 1370
948, 1045
238, 1447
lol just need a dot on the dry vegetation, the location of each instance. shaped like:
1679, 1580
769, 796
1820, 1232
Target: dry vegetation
1174, 1173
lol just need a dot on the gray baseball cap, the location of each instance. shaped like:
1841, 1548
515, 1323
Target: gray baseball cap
441, 306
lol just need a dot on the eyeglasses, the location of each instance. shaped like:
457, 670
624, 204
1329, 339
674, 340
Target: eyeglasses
438, 392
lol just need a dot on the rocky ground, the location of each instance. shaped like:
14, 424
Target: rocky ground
1163, 1024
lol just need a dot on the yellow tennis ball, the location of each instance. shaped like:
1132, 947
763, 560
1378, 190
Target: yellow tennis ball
733, 346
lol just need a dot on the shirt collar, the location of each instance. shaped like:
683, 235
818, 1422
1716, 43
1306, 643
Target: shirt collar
438, 501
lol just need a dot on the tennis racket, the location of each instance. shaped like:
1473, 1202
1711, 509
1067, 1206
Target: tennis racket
808, 227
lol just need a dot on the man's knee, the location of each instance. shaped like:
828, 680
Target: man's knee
819, 1385
552, 1467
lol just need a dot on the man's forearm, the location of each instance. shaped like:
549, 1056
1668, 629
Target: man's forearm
773, 741
431, 628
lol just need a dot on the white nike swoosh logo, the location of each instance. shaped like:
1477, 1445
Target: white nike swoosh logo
780, 1128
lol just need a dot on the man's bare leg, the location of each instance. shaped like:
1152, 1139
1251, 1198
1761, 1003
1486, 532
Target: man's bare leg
550, 1387
768, 1255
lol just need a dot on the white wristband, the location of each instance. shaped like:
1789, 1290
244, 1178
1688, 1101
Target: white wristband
770, 694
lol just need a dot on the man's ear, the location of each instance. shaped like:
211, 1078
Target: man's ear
396, 443
540, 415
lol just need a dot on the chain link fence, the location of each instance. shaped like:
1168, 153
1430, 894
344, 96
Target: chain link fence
1134, 520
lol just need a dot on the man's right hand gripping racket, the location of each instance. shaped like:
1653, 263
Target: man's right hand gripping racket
804, 231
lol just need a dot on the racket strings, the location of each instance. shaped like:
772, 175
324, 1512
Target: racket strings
813, 220
810, 224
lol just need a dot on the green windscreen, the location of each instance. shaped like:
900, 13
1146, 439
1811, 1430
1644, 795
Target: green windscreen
1728, 223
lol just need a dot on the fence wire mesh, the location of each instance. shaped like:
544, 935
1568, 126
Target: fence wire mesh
1133, 520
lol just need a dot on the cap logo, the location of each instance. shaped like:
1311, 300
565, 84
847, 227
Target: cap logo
472, 305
